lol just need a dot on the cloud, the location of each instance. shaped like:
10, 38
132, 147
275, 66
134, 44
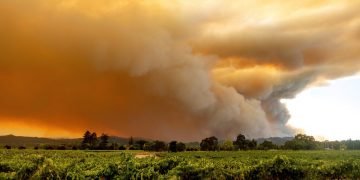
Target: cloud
169, 70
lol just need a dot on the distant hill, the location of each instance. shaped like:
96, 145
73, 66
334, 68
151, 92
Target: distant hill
275, 140
33, 141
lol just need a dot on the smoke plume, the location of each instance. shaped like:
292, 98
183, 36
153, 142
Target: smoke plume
167, 70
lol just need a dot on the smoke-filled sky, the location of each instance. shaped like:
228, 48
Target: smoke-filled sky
168, 69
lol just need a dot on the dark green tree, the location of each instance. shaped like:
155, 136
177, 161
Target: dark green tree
180, 147
252, 144
302, 142
227, 146
241, 142
149, 146
104, 140
131, 141
93, 140
155, 146
61, 147
352, 144
172, 146
209, 144
85, 144
114, 146
140, 144
122, 147
266, 145
159, 146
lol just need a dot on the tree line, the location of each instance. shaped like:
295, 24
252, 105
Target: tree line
91, 141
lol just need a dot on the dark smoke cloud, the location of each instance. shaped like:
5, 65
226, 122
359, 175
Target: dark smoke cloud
169, 70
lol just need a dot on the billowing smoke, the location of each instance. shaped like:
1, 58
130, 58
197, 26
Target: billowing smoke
162, 69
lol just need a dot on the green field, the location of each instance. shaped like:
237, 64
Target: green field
42, 164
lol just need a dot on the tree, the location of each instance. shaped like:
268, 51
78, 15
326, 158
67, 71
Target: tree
85, 144
209, 144
104, 140
301, 142
180, 147
93, 140
227, 146
241, 142
266, 145
352, 144
155, 146
172, 146
49, 147
304, 137
175, 146
135, 147
131, 141
159, 146
114, 146
61, 147
141, 144
252, 144
149, 146
122, 147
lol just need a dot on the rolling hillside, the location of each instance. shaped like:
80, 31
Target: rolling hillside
33, 141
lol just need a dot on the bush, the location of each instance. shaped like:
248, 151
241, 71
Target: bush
281, 167
122, 147
21, 147
49, 171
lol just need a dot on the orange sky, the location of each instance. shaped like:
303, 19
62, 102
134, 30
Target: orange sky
167, 70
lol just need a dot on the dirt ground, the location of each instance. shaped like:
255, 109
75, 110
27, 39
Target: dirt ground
144, 155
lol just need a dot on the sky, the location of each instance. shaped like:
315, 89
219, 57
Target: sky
176, 70
328, 112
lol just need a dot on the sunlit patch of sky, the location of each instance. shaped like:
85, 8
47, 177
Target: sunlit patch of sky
331, 111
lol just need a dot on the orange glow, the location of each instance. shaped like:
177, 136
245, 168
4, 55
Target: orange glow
22, 127
162, 69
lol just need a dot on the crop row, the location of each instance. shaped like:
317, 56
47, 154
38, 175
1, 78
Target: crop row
123, 165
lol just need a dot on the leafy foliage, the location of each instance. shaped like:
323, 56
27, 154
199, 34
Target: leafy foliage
209, 144
175, 146
42, 164
227, 146
266, 145
302, 142
242, 143
155, 146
